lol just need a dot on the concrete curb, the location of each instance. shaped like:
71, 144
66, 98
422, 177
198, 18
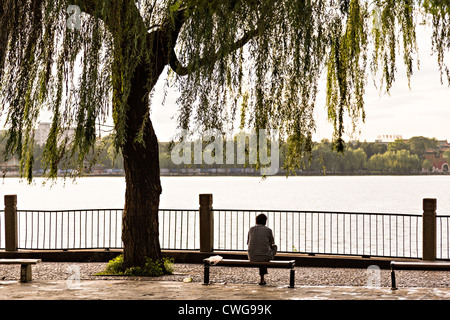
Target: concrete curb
184, 256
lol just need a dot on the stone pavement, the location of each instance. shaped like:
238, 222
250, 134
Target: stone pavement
175, 290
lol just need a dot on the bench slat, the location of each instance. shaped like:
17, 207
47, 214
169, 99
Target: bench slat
19, 261
249, 264
419, 265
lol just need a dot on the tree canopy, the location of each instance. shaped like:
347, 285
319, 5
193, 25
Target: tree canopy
260, 60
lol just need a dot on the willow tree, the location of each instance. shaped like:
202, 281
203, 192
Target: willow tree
85, 61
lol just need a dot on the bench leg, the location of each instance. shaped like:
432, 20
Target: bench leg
25, 273
393, 283
292, 279
206, 275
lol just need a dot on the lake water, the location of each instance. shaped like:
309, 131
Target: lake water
304, 232
379, 194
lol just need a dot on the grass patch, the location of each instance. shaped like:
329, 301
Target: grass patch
151, 268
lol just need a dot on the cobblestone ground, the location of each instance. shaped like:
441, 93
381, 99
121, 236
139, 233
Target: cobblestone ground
176, 290
221, 275
76, 281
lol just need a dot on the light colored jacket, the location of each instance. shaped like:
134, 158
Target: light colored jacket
260, 243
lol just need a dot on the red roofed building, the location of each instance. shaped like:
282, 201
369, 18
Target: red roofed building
436, 157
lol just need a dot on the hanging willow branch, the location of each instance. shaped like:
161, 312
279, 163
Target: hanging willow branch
260, 59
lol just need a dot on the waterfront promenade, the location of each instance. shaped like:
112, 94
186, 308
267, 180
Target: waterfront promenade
174, 290
179, 291
76, 281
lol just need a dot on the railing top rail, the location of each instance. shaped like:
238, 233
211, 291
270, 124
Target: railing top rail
240, 210
108, 209
190, 210
326, 212
66, 210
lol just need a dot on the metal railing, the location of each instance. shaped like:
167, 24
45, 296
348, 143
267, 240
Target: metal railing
2, 228
179, 229
99, 229
69, 229
443, 237
334, 233
309, 232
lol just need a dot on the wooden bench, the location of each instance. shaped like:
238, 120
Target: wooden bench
416, 265
25, 267
247, 264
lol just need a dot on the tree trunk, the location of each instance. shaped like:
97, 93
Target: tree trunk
140, 230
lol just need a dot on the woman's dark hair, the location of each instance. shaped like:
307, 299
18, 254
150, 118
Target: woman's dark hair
261, 219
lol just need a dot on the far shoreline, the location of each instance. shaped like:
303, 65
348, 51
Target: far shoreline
17, 176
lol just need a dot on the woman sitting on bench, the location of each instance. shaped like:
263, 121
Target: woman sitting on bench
261, 247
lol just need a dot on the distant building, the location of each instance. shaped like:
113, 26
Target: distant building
11, 165
436, 158
43, 130
386, 138
41, 133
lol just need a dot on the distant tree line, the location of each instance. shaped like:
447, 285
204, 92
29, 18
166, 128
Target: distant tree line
363, 157
102, 157
398, 157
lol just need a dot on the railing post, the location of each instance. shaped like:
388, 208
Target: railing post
11, 223
429, 229
206, 223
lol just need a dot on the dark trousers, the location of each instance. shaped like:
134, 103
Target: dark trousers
263, 271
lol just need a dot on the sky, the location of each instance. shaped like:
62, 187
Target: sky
423, 110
